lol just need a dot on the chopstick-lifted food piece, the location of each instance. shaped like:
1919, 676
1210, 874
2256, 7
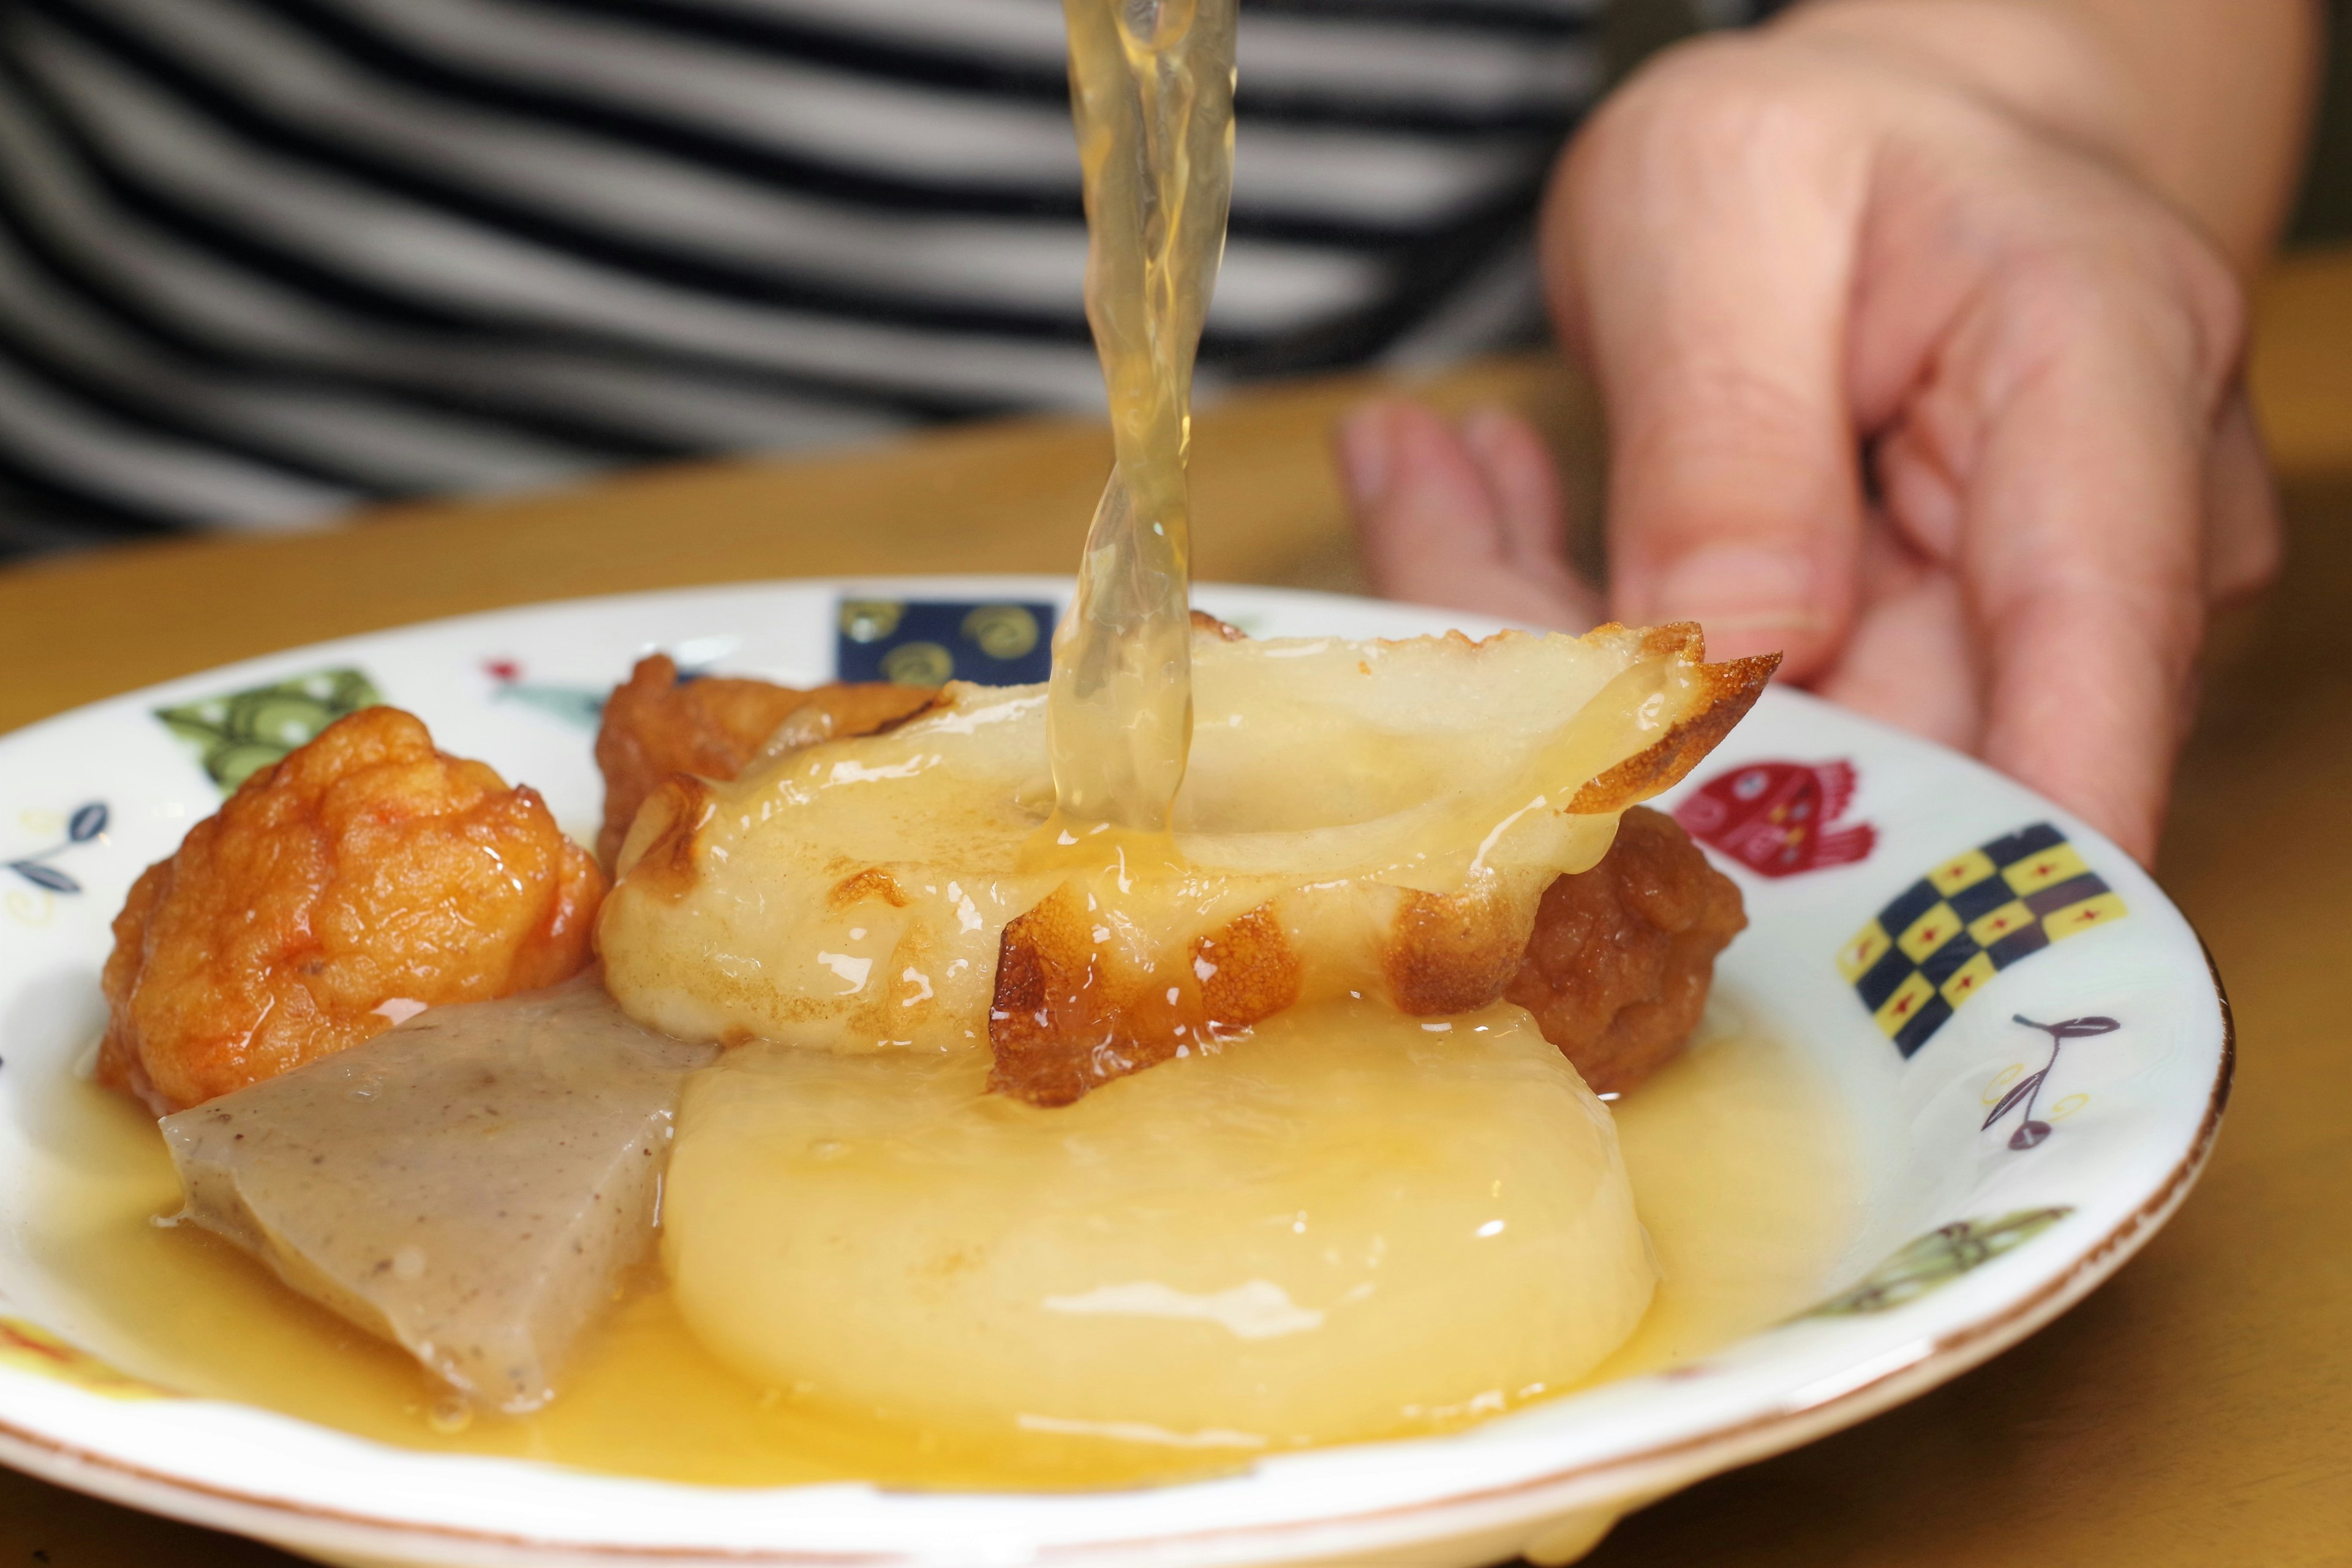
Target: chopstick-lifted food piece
1618, 969
1379, 818
656, 725
362, 879
473, 1185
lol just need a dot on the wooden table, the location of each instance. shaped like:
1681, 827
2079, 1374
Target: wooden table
2196, 1410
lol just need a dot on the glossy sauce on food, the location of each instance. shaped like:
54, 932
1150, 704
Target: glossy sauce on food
1350, 1224
1742, 1170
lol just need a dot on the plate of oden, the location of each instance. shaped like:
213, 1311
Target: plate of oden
1520, 1076
1007, 1071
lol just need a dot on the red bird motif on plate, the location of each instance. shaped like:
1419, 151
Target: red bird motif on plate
1779, 818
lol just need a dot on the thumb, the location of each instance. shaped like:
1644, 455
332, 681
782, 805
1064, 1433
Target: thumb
1708, 284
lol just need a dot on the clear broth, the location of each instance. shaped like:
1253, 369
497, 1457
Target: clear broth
1743, 1171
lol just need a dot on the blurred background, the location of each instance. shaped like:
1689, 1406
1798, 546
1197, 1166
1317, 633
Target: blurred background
37, 520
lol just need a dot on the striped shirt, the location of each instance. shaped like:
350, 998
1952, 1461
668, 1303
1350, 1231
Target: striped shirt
265, 260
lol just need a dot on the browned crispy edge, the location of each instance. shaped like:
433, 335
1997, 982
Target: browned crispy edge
657, 725
664, 867
1730, 690
1064, 1019
1452, 953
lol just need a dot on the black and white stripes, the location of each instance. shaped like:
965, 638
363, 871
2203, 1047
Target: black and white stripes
263, 259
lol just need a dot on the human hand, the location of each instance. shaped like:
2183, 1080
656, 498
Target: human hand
1901, 381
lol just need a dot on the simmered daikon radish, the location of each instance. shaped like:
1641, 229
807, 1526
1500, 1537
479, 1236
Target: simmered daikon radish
1349, 1225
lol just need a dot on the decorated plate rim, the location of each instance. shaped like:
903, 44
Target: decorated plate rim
1624, 1478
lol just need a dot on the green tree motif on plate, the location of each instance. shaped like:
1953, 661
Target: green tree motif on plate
236, 734
1938, 1259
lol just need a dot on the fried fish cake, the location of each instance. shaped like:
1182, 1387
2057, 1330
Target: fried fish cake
1617, 968
362, 875
657, 726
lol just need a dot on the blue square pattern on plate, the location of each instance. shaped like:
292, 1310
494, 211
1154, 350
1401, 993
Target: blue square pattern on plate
923, 642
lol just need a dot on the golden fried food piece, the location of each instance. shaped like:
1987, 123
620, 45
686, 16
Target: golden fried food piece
1063, 1021
657, 726
910, 912
1617, 971
365, 874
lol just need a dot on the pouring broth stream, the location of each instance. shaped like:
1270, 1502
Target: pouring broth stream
1152, 88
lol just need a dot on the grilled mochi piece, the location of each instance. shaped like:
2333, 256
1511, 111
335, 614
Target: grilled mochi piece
1374, 818
472, 1185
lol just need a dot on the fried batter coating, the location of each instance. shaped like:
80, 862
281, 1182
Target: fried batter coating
366, 869
1067, 1012
1617, 971
1063, 1022
657, 726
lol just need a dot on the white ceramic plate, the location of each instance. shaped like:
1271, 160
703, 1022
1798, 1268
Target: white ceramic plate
1986, 1213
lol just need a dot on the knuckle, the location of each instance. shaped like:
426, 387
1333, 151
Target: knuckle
1712, 102
2216, 298
2152, 295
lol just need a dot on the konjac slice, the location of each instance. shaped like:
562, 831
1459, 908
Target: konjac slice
473, 1185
